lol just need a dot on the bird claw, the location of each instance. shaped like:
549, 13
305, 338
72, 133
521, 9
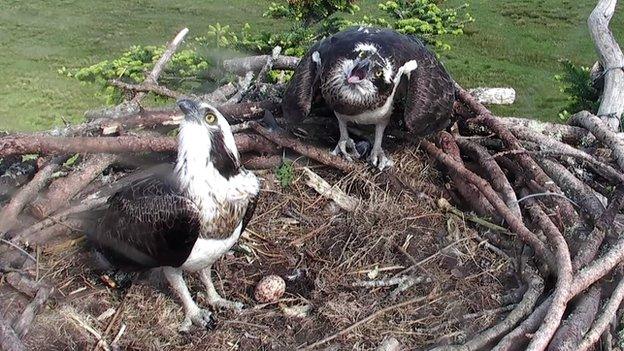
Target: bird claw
342, 148
202, 318
379, 159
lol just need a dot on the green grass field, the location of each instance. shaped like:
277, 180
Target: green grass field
512, 43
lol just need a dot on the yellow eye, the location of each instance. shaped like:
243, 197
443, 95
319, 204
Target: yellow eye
210, 118
378, 74
361, 54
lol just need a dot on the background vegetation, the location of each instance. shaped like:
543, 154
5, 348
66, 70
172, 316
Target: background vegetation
512, 43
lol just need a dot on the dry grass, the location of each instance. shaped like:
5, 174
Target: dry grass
383, 237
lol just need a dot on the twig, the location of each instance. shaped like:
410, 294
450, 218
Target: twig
172, 47
363, 321
88, 328
19, 249
444, 205
321, 186
579, 320
120, 144
240, 66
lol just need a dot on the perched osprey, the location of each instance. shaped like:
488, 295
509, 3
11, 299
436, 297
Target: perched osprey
359, 74
186, 219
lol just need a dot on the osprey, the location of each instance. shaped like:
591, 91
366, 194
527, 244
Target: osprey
187, 218
360, 73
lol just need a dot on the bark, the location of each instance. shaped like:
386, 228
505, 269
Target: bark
602, 323
23, 323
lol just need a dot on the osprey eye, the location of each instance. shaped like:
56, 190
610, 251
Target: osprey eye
361, 54
378, 74
210, 118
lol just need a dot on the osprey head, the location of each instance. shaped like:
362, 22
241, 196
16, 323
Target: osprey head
363, 77
206, 137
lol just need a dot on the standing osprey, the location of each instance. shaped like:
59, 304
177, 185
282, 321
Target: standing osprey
186, 219
358, 72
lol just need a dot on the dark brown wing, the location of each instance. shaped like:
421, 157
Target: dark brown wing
430, 95
147, 224
251, 209
302, 88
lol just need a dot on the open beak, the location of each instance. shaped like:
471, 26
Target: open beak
359, 71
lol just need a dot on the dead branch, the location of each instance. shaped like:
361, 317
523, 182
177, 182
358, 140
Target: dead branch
560, 132
268, 65
8, 339
578, 322
560, 296
612, 102
589, 248
553, 147
64, 189
8, 216
146, 87
494, 174
513, 222
120, 144
602, 323
22, 324
533, 170
602, 132
321, 155
574, 188
172, 47
240, 66
468, 191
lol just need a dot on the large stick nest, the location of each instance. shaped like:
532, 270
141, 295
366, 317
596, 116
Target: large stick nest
514, 245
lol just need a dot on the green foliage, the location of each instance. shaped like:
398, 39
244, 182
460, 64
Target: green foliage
182, 71
285, 173
576, 85
309, 20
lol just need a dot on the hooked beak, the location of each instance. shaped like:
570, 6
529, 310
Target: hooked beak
359, 71
190, 109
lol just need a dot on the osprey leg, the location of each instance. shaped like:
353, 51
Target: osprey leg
214, 299
345, 142
378, 157
192, 313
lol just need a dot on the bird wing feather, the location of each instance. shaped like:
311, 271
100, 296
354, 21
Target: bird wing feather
148, 224
303, 87
430, 95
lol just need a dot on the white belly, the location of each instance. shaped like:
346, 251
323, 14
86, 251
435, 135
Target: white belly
371, 116
208, 251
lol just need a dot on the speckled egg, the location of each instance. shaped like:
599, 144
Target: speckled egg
270, 289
